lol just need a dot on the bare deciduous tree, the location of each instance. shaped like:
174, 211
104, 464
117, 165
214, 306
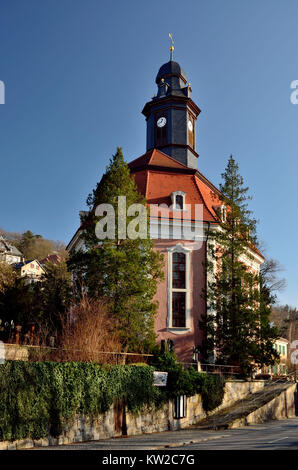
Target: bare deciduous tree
269, 271
89, 333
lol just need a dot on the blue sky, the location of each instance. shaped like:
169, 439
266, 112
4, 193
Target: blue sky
78, 72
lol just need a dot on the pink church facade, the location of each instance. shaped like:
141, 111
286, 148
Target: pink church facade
185, 339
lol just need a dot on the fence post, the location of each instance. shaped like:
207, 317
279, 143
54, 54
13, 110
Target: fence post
18, 333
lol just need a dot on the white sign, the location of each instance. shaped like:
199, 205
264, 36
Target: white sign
160, 379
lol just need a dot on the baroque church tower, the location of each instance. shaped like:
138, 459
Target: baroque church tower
171, 116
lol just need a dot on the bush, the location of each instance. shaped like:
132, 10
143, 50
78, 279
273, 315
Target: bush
189, 382
212, 391
39, 398
90, 332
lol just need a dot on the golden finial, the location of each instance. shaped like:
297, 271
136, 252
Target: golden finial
171, 46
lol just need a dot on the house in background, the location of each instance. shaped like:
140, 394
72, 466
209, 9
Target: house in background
9, 253
54, 258
31, 270
280, 368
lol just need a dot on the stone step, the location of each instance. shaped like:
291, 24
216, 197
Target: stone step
227, 417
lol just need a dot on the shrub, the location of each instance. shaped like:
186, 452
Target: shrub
212, 391
189, 382
88, 334
134, 386
91, 331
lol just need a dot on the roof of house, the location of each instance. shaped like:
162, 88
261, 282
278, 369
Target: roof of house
6, 247
25, 263
53, 258
157, 176
282, 340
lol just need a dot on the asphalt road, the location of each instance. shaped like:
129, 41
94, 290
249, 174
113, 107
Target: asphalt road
272, 435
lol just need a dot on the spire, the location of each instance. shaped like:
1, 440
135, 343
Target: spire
171, 115
171, 47
171, 76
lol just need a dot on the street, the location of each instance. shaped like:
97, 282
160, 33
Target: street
267, 436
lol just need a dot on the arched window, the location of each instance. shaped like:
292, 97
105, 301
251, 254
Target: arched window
178, 282
179, 288
178, 200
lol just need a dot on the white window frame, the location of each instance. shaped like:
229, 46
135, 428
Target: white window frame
173, 197
179, 248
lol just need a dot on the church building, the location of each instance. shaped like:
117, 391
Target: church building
168, 174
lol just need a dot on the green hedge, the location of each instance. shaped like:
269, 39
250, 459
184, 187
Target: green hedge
190, 382
38, 398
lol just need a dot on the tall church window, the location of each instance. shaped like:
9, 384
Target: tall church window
178, 271
178, 309
179, 289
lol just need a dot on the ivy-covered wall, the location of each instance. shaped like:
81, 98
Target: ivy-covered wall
38, 399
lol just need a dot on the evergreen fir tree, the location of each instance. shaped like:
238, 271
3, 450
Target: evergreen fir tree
124, 272
238, 304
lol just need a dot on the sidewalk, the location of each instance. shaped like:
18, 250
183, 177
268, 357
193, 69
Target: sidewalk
156, 441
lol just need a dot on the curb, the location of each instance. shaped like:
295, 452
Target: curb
185, 443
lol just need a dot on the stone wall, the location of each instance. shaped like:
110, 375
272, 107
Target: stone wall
163, 419
281, 407
114, 423
14, 352
237, 390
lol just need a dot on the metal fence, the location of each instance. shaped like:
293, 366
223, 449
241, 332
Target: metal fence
219, 369
43, 353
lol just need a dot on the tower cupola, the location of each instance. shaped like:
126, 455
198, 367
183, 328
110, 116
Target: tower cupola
171, 116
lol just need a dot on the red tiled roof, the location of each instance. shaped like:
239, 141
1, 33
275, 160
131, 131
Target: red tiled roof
54, 258
156, 158
157, 176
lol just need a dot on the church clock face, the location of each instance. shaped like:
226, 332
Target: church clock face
190, 126
161, 122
